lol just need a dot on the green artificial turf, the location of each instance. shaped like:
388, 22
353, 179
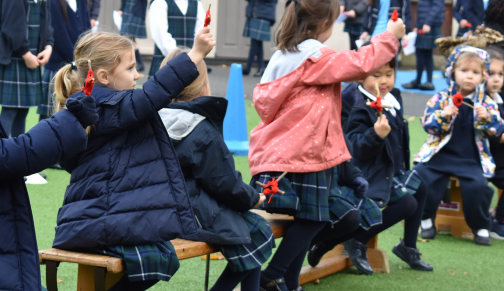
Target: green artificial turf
458, 263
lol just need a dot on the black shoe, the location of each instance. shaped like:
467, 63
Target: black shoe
56, 166
267, 284
411, 256
140, 68
482, 240
299, 288
427, 86
429, 233
209, 70
259, 73
316, 253
411, 85
357, 253
245, 72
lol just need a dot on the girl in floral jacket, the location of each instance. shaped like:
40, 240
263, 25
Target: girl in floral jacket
457, 144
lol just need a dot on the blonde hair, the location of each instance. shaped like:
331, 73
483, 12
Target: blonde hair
466, 57
102, 49
192, 91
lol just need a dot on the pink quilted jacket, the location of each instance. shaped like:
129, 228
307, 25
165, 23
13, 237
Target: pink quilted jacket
300, 129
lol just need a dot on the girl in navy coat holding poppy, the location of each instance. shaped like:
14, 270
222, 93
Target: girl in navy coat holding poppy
430, 17
219, 197
69, 20
379, 12
469, 14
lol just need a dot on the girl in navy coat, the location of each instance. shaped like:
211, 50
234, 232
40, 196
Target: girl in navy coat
127, 197
469, 14
59, 137
430, 17
25, 46
219, 197
381, 150
69, 20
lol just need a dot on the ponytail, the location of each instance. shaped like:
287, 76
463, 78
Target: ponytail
66, 83
286, 37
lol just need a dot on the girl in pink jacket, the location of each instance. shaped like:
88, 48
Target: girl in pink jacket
299, 103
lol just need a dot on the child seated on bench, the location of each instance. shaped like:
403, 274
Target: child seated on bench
127, 197
494, 86
380, 148
457, 144
218, 195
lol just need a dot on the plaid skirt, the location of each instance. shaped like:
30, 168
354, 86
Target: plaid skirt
252, 255
46, 107
306, 194
342, 201
426, 40
132, 25
404, 184
157, 261
157, 59
19, 86
354, 28
259, 29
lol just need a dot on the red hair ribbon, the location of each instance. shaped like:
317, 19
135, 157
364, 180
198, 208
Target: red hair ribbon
208, 17
395, 16
420, 31
89, 83
457, 99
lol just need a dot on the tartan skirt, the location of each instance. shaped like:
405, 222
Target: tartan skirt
426, 40
342, 201
132, 25
252, 255
405, 183
157, 261
306, 194
259, 29
19, 86
157, 59
46, 107
354, 28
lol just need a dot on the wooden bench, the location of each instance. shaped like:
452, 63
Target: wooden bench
450, 215
98, 272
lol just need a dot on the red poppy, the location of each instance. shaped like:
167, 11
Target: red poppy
457, 99
88, 84
377, 105
420, 31
208, 18
395, 16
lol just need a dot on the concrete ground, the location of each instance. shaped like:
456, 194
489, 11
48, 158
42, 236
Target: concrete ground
414, 104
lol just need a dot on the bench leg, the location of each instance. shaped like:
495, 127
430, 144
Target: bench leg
52, 275
100, 279
207, 272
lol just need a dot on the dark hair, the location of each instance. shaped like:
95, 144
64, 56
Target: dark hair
63, 7
495, 13
495, 54
302, 19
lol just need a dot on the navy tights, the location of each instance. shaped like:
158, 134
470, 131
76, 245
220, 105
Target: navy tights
424, 60
228, 280
14, 120
256, 49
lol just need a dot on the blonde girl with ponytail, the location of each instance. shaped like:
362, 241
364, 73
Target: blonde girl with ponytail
127, 197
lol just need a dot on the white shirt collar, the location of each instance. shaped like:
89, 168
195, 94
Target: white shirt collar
389, 100
72, 4
497, 98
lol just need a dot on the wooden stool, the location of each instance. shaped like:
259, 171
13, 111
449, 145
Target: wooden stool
450, 215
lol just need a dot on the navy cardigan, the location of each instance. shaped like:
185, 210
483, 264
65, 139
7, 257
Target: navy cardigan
60, 136
430, 12
262, 9
372, 154
66, 34
127, 187
403, 8
13, 21
471, 10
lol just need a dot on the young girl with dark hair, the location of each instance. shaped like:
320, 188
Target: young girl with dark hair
299, 103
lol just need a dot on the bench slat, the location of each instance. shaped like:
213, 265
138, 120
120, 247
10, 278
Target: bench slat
112, 264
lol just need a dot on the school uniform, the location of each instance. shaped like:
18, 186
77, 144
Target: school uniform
133, 18
173, 23
354, 26
376, 15
429, 12
471, 10
66, 34
61, 136
218, 195
260, 17
129, 175
27, 28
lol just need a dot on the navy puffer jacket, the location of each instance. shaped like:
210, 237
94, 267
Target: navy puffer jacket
403, 8
262, 9
60, 136
430, 12
127, 187
217, 191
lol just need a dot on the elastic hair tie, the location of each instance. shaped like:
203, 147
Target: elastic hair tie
74, 67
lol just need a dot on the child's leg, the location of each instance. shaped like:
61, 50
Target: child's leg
251, 281
252, 55
420, 64
331, 235
19, 124
476, 196
7, 117
260, 55
125, 284
437, 182
295, 241
499, 211
429, 64
353, 38
292, 274
229, 279
412, 223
